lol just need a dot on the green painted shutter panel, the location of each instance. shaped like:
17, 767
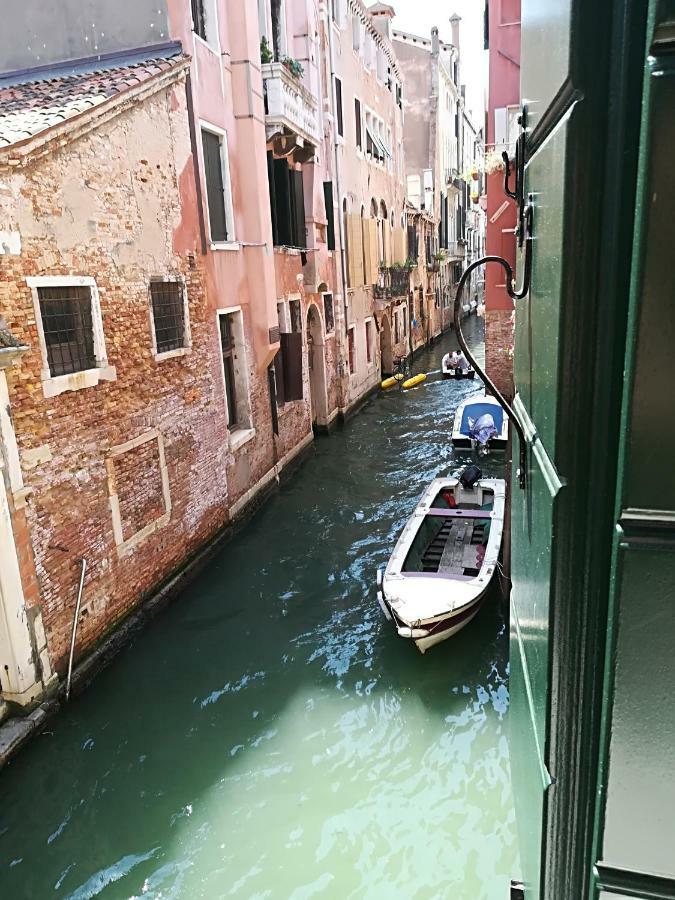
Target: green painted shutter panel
330, 214
213, 171
273, 197
298, 209
291, 347
282, 189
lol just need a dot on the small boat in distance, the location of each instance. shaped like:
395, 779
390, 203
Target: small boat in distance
454, 365
480, 423
445, 558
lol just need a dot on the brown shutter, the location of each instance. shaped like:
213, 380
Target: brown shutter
282, 189
291, 347
330, 215
279, 375
298, 209
213, 173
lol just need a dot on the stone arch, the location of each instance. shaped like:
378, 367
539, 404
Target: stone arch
316, 360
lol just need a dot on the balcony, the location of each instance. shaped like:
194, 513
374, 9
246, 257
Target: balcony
289, 106
393, 281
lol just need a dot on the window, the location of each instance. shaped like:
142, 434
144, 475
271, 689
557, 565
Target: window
405, 322
168, 315
396, 328
68, 329
227, 349
235, 374
295, 310
198, 18
218, 195
328, 312
369, 340
357, 122
350, 341
287, 203
338, 106
70, 333
330, 214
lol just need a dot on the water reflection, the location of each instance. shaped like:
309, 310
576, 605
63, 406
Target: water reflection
270, 736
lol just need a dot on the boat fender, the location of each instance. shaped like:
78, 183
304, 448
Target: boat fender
415, 380
405, 631
379, 578
390, 382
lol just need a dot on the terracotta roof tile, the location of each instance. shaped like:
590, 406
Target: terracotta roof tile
31, 107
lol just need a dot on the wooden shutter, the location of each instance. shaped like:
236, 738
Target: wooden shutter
372, 262
338, 103
282, 190
357, 120
330, 215
213, 173
298, 209
273, 198
291, 349
279, 374
386, 232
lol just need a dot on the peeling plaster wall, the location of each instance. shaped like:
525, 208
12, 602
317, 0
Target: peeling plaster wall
109, 206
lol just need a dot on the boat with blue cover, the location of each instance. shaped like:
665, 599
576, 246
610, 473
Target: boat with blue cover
480, 423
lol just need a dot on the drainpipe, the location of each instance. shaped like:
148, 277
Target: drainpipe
76, 618
338, 180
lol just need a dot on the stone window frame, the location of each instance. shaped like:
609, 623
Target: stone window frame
368, 333
52, 385
231, 243
123, 545
242, 434
187, 333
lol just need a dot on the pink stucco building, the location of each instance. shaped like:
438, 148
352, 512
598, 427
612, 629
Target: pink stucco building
502, 130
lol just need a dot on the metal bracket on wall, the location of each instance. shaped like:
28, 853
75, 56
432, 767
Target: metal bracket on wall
524, 235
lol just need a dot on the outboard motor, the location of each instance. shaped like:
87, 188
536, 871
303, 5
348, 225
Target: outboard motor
482, 431
469, 477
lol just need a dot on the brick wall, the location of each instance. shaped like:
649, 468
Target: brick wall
499, 326
107, 206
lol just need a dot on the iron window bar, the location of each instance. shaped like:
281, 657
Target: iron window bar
67, 328
168, 313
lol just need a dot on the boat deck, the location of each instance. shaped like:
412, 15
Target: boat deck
454, 549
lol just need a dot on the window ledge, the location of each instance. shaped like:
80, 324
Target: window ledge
225, 245
291, 251
77, 381
241, 436
172, 354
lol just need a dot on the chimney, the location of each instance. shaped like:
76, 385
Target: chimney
454, 25
382, 14
435, 43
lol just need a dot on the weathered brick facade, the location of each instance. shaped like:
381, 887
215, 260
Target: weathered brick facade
107, 205
499, 324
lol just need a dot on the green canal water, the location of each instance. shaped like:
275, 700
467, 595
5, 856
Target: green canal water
269, 736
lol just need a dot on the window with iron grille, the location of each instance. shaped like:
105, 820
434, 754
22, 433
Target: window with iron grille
328, 312
68, 329
168, 315
228, 348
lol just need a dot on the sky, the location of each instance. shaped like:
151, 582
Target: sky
418, 17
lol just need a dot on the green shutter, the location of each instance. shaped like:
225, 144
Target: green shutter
330, 214
213, 173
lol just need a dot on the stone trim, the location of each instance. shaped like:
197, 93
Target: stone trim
126, 546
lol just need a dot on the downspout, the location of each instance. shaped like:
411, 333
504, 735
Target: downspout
338, 180
76, 619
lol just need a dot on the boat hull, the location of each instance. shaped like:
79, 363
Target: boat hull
455, 373
427, 634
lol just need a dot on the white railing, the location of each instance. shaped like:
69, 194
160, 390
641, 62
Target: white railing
289, 104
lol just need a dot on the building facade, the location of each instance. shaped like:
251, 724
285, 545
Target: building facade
502, 37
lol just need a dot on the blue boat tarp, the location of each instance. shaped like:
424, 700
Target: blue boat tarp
473, 412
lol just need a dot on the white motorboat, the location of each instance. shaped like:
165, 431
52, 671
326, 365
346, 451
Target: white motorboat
445, 558
481, 423
452, 371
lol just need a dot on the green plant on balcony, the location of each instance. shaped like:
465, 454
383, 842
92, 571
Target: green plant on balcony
266, 55
293, 67
440, 257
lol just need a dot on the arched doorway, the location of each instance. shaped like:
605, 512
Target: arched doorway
317, 368
386, 348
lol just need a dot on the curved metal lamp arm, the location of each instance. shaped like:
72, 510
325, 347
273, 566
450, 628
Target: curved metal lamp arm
522, 465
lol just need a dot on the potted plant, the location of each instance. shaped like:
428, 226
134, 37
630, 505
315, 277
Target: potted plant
293, 67
266, 55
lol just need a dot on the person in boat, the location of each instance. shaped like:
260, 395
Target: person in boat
483, 429
461, 362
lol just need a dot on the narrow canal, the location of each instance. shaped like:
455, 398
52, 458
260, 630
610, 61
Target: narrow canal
270, 736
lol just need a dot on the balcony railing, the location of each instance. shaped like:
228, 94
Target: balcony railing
392, 281
288, 104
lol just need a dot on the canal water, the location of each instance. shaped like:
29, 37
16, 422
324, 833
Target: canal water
269, 736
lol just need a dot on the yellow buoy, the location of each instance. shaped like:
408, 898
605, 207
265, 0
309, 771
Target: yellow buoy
416, 379
390, 382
